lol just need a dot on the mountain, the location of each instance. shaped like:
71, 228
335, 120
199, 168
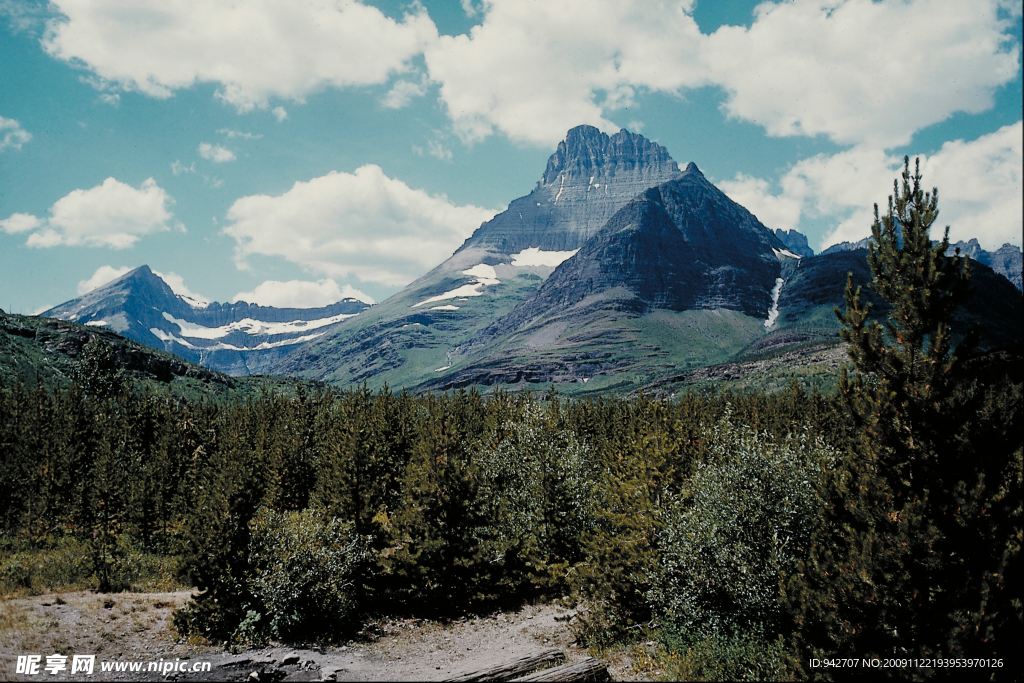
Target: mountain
678, 246
238, 339
795, 241
35, 350
803, 342
847, 246
407, 339
1008, 260
683, 250
588, 178
616, 271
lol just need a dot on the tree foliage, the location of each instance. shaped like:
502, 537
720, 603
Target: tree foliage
920, 522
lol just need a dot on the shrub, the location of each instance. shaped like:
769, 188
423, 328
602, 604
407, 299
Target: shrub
538, 484
726, 546
304, 568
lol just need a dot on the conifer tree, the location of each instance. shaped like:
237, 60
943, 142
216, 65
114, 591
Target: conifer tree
895, 567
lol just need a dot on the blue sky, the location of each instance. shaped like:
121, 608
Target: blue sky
290, 153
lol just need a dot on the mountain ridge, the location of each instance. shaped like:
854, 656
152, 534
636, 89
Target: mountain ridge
239, 338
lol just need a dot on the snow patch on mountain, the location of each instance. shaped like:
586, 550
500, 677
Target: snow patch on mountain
222, 346
534, 256
786, 252
252, 327
485, 276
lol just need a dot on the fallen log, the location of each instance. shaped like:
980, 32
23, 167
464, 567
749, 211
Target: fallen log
588, 669
517, 667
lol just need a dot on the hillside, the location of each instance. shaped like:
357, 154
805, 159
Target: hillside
38, 350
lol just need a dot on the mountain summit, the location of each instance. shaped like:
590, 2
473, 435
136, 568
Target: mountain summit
589, 177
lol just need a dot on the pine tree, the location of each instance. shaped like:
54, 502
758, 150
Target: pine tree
895, 567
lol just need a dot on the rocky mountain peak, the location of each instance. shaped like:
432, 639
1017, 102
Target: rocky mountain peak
589, 177
586, 152
692, 168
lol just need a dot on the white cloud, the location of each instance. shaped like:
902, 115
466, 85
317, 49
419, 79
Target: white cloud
20, 222
469, 8
12, 134
774, 212
980, 189
177, 285
255, 51
177, 168
534, 70
102, 276
301, 294
111, 214
860, 71
402, 92
979, 182
362, 224
437, 149
215, 153
239, 134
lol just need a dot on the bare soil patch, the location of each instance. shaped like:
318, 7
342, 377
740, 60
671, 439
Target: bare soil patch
137, 627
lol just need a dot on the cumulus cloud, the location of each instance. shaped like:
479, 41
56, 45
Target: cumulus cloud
860, 71
979, 182
19, 222
111, 214
177, 168
12, 135
255, 50
301, 294
534, 70
102, 276
774, 211
361, 224
215, 153
177, 285
980, 189
857, 71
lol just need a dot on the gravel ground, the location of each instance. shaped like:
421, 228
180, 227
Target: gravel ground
136, 627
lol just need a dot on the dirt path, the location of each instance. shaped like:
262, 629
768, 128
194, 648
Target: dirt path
136, 627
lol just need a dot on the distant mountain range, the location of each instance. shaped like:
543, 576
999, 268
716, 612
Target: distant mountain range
1007, 260
617, 272
238, 339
